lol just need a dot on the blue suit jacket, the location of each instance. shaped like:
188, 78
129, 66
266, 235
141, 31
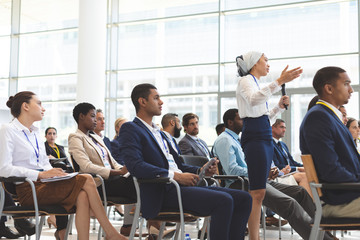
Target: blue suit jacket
280, 157
144, 158
331, 145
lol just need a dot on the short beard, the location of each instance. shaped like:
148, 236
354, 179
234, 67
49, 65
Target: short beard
177, 132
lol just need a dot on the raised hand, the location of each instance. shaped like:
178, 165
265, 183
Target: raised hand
289, 75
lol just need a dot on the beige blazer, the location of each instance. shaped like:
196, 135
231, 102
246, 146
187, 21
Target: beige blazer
88, 156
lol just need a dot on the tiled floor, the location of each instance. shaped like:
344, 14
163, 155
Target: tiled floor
272, 233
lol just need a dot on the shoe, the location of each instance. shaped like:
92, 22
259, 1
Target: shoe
273, 221
170, 224
51, 222
24, 227
126, 232
166, 234
120, 213
8, 233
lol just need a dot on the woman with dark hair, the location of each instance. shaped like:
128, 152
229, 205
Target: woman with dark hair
21, 155
256, 139
89, 151
353, 125
55, 151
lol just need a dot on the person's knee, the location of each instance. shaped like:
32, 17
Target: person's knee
258, 195
82, 198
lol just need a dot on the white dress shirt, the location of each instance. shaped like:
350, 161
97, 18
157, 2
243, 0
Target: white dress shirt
171, 140
18, 149
155, 130
252, 101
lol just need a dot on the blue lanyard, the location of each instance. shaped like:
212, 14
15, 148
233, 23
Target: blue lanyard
267, 107
37, 145
236, 140
103, 154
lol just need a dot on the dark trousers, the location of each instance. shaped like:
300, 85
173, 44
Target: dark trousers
118, 186
229, 209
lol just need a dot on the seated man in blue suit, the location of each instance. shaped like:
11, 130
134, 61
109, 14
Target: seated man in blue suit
148, 154
326, 138
282, 157
284, 161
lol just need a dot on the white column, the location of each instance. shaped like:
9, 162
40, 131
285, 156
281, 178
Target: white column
92, 52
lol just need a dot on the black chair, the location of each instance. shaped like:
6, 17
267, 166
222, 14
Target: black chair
327, 223
37, 211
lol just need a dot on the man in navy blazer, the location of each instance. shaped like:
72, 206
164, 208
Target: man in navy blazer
191, 144
148, 154
326, 138
282, 157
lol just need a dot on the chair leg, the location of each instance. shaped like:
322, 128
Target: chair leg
69, 225
176, 237
263, 222
279, 227
161, 231
204, 228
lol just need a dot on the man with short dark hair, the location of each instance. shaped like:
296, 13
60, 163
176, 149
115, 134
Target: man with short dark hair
170, 123
326, 138
148, 154
191, 144
282, 157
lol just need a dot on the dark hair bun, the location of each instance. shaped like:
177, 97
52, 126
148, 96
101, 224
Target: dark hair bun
10, 102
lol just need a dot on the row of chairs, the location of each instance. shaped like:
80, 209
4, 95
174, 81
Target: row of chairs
39, 212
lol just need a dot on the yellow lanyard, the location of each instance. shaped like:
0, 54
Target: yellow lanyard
326, 105
56, 150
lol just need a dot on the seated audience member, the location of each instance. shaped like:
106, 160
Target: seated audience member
343, 111
292, 203
326, 138
21, 156
100, 126
220, 128
91, 154
284, 160
190, 144
170, 123
148, 154
23, 226
54, 151
114, 143
353, 126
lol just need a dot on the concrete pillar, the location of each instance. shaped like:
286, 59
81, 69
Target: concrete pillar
92, 52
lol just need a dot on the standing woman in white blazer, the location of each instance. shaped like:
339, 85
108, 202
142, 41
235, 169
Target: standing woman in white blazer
256, 138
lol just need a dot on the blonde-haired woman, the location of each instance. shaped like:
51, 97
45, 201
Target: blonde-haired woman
22, 155
115, 151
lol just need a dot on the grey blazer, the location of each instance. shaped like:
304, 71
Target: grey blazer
188, 146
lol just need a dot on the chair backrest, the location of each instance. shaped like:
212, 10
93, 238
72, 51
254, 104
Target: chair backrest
310, 170
198, 161
74, 164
